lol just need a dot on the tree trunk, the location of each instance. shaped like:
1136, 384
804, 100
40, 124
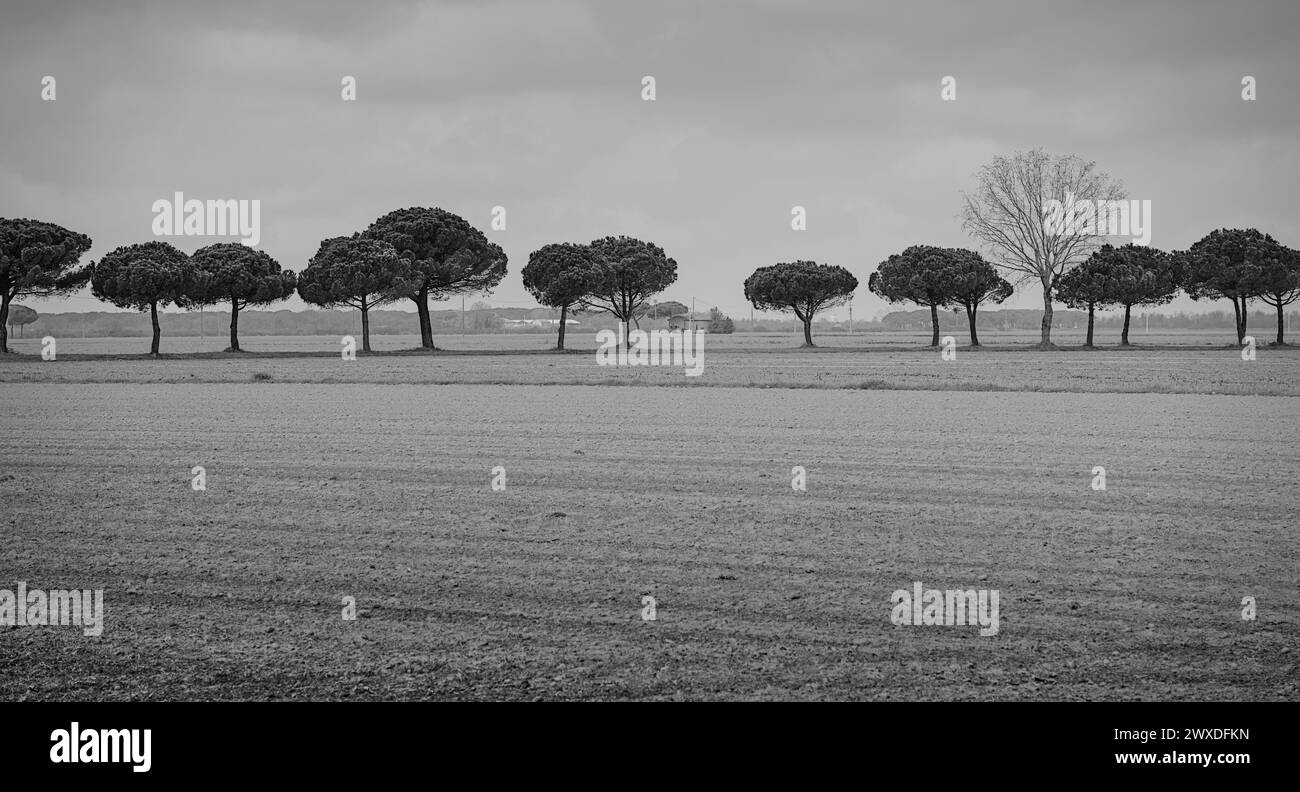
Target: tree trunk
157, 331
1239, 308
1092, 307
365, 327
234, 325
625, 317
564, 312
970, 316
4, 322
1046, 336
1280, 325
807, 331
426, 324
1123, 339
934, 325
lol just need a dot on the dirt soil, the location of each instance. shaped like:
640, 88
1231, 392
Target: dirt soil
383, 493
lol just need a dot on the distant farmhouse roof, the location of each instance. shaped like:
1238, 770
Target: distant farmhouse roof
677, 321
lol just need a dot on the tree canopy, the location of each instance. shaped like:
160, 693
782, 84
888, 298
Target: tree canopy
631, 272
560, 275
21, 315
446, 256
1087, 287
920, 275
804, 287
1139, 275
356, 271
238, 274
1228, 263
1278, 283
37, 259
937, 277
971, 281
1125, 276
142, 277
666, 310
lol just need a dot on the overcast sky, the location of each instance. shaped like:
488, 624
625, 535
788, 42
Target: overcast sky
537, 107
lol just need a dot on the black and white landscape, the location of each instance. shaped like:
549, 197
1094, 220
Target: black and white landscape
649, 351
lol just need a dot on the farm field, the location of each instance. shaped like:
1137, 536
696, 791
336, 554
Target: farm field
586, 339
381, 492
1274, 372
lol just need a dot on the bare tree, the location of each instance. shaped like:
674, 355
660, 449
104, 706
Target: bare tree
1012, 214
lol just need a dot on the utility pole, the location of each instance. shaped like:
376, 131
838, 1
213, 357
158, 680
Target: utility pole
692, 314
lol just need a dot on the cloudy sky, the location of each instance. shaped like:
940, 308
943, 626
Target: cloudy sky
537, 107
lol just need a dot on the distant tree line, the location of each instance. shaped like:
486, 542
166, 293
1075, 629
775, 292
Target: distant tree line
329, 322
1027, 319
1233, 264
284, 322
1011, 213
429, 254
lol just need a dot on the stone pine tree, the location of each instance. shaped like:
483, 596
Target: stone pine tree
804, 287
560, 275
1228, 264
1087, 286
37, 259
142, 277
21, 316
237, 274
1139, 275
447, 256
631, 272
1279, 284
356, 271
920, 274
1011, 213
971, 281
666, 310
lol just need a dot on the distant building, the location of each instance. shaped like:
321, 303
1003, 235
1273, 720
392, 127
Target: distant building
689, 321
